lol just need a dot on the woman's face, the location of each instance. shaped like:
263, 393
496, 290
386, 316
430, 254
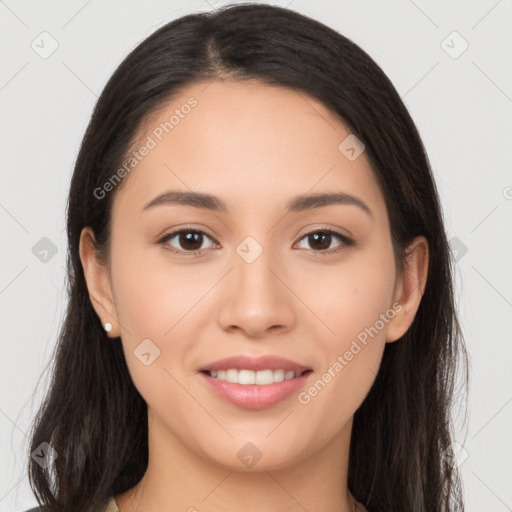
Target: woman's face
267, 280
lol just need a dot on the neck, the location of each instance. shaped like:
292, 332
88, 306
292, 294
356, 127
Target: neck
178, 479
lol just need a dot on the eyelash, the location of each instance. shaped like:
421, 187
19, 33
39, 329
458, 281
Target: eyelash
346, 242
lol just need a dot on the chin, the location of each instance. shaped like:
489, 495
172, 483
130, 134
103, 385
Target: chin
255, 455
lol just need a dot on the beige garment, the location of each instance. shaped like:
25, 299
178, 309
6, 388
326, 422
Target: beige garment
112, 506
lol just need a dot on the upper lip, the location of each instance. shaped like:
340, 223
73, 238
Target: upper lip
242, 362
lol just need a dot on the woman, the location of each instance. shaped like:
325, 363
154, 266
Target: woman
261, 311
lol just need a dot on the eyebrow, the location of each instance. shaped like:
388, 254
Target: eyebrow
297, 204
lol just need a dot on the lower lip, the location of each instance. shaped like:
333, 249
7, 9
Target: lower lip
254, 396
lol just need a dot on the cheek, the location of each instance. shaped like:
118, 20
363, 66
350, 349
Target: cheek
355, 309
150, 301
159, 302
152, 295
351, 357
352, 297
331, 399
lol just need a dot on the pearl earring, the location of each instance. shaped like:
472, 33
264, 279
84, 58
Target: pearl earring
107, 327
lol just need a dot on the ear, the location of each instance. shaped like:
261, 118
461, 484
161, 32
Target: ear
409, 288
98, 283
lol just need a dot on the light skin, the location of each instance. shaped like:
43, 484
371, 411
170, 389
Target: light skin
255, 147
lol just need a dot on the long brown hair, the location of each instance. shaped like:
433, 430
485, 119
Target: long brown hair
94, 417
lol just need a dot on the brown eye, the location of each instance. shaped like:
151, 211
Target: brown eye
185, 241
190, 240
320, 241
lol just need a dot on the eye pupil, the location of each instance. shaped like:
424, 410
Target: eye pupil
325, 236
191, 236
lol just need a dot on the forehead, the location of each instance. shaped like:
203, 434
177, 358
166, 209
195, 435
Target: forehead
245, 141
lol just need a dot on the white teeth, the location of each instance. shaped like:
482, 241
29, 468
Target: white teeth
246, 377
278, 375
264, 377
231, 375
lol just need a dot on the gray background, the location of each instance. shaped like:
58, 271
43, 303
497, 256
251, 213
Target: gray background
461, 103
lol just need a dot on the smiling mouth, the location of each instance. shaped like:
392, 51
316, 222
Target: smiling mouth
250, 377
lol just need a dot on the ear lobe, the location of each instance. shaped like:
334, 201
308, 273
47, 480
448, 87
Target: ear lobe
98, 283
410, 288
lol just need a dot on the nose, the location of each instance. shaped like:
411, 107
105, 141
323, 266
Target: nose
255, 298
